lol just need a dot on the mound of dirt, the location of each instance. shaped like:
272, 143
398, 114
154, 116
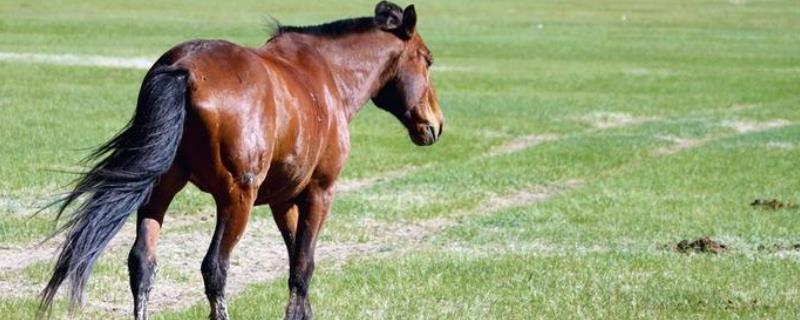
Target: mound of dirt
701, 245
772, 204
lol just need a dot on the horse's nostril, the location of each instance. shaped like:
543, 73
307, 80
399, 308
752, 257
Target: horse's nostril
432, 131
441, 129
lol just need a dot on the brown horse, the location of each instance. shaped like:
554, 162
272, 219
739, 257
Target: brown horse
250, 126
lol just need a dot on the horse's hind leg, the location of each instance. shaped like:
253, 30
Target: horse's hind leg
313, 206
233, 212
142, 258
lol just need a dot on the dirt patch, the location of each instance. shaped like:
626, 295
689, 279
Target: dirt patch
412, 232
528, 196
611, 120
394, 233
520, 144
754, 126
741, 127
360, 184
772, 204
259, 257
20, 258
679, 144
701, 245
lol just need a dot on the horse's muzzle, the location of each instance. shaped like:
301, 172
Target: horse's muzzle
426, 134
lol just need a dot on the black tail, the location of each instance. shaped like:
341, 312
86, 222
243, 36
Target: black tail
121, 182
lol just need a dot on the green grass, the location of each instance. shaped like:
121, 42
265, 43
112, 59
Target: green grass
508, 69
532, 285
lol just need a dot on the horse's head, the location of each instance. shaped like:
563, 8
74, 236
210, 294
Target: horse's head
408, 94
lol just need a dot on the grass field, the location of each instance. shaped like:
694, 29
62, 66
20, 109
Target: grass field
584, 140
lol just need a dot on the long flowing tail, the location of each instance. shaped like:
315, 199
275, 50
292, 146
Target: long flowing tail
121, 182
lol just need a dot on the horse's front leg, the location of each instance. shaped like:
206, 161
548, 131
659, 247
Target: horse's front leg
313, 206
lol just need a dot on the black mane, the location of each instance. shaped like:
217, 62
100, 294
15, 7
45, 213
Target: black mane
332, 29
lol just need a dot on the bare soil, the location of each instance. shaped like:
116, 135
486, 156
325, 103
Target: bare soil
611, 120
701, 245
360, 184
679, 144
520, 144
754, 126
772, 204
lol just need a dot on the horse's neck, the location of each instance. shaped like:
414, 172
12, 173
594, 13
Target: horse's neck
360, 64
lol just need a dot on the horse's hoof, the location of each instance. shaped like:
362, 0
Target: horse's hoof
219, 314
298, 311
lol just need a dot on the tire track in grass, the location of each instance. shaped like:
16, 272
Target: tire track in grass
519, 144
410, 233
413, 233
600, 121
740, 127
612, 120
416, 232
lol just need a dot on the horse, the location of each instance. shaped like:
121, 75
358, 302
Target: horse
250, 127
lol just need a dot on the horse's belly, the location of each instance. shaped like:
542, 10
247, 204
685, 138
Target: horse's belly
284, 181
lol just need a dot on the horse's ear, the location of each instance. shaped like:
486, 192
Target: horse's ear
388, 16
409, 20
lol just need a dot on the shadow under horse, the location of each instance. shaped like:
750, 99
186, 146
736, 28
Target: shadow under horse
250, 126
